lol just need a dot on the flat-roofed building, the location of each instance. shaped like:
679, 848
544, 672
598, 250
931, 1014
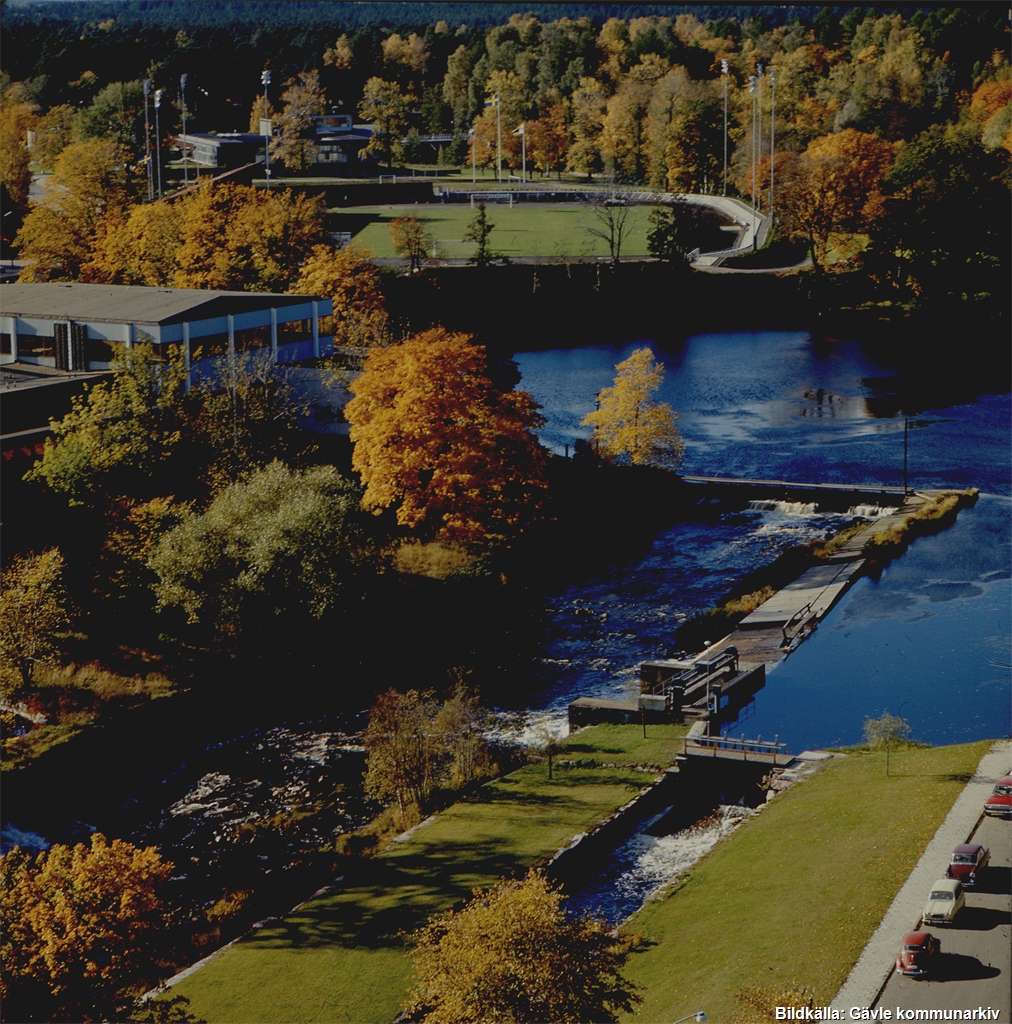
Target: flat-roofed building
76, 327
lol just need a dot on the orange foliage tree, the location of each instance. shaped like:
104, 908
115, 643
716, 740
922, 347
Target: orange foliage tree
81, 929
835, 185
436, 440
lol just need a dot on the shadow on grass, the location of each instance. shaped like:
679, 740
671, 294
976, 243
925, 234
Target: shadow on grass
961, 777
959, 967
590, 748
356, 223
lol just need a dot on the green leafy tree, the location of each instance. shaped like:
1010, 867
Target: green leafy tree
119, 431
280, 544
33, 610
478, 231
116, 114
674, 232
629, 425
83, 929
887, 731
514, 954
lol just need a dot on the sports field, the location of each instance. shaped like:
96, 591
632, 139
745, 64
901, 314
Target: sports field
535, 230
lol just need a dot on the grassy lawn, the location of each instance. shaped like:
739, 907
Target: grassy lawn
523, 230
341, 956
795, 895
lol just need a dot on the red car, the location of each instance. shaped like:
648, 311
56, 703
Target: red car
999, 803
918, 954
968, 863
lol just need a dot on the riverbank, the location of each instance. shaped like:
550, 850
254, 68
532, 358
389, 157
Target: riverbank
792, 899
342, 955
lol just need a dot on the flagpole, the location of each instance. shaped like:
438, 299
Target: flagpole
147, 140
182, 100
158, 141
523, 149
474, 172
723, 71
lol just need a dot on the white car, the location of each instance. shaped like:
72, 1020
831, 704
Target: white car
945, 902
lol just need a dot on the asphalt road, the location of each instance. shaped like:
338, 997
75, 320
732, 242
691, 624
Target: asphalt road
975, 968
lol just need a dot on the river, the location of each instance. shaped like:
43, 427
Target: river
928, 638
930, 635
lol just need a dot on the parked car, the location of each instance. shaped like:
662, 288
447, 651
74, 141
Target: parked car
946, 900
918, 955
968, 863
999, 803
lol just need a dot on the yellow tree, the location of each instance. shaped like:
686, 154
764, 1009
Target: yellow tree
514, 954
295, 143
32, 611
258, 111
140, 249
82, 928
17, 117
629, 425
352, 281
91, 186
54, 131
386, 107
436, 441
411, 240
234, 237
547, 140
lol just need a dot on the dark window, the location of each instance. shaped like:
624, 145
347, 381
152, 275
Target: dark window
294, 330
254, 337
5, 344
212, 345
36, 345
160, 350
97, 351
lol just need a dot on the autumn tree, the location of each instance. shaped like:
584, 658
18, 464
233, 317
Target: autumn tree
82, 929
435, 440
340, 55
548, 140
281, 543
244, 239
514, 954
386, 108
55, 130
835, 185
141, 248
412, 241
295, 142
33, 610
90, 189
352, 282
259, 111
119, 431
478, 231
630, 427
17, 117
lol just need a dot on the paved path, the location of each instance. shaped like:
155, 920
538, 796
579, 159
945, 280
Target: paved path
871, 972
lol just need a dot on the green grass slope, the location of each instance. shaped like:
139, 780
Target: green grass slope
341, 957
795, 894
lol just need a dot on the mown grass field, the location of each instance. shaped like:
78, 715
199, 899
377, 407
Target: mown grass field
341, 957
795, 894
541, 230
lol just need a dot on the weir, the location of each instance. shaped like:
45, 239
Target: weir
712, 684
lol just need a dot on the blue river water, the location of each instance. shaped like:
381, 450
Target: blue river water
930, 636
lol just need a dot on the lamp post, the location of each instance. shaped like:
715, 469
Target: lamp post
182, 103
147, 140
751, 89
759, 132
699, 1016
773, 130
158, 141
723, 72
906, 434
265, 80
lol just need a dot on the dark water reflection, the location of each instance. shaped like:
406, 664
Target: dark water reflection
932, 634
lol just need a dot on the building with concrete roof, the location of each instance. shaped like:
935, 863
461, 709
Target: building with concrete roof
76, 327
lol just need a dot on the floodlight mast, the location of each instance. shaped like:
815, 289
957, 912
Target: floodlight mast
265, 80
